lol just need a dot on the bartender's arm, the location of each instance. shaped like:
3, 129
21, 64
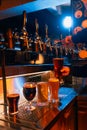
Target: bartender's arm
65, 71
80, 37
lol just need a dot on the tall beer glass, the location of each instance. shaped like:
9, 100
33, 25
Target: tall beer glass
58, 65
54, 88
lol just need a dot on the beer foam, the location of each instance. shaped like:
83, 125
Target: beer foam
42, 83
13, 95
58, 58
53, 80
29, 85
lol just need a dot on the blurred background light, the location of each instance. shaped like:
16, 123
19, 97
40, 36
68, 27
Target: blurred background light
67, 22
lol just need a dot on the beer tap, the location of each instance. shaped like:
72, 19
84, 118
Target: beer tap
9, 38
16, 39
47, 41
2, 41
46, 30
38, 41
37, 27
24, 33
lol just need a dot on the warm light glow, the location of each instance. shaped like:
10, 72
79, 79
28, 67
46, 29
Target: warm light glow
40, 60
83, 54
67, 22
84, 23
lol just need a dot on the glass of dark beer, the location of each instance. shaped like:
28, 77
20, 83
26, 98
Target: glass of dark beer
12, 100
29, 92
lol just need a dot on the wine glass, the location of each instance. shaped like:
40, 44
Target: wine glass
29, 92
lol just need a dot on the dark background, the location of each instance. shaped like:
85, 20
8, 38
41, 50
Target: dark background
54, 22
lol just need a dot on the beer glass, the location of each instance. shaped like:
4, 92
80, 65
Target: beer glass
58, 65
42, 96
54, 85
12, 100
29, 92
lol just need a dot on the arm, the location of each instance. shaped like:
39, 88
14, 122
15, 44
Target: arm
65, 71
80, 37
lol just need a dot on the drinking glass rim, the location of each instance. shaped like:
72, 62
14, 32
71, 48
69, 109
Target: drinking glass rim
42, 82
58, 58
29, 84
13, 95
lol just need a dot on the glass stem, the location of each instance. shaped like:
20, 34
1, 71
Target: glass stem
30, 105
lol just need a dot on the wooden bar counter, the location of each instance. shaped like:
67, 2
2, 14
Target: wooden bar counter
59, 116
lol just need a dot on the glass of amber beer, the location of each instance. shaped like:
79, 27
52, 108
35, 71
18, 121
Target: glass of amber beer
58, 65
54, 85
12, 100
42, 96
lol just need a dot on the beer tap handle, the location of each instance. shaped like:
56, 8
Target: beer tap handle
24, 33
24, 18
46, 30
37, 26
9, 37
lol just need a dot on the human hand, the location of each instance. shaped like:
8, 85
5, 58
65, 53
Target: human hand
65, 71
68, 39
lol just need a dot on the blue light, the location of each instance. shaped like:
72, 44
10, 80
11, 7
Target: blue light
67, 22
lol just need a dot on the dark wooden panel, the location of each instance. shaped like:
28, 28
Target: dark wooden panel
25, 69
82, 112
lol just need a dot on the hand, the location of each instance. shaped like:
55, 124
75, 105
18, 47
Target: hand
65, 71
68, 39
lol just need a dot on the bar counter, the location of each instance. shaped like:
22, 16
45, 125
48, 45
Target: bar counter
44, 118
12, 70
